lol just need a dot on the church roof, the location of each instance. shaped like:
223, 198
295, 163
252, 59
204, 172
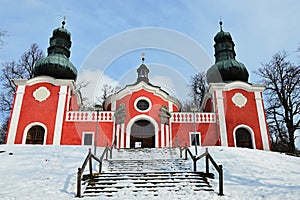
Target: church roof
57, 64
226, 67
142, 83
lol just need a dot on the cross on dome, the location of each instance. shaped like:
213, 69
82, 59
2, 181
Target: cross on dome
143, 57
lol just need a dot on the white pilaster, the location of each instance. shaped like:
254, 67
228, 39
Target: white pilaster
170, 106
162, 135
262, 120
69, 99
222, 121
114, 133
16, 114
59, 115
171, 135
118, 135
156, 140
167, 136
122, 135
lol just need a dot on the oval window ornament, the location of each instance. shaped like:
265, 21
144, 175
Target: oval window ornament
41, 94
239, 100
142, 104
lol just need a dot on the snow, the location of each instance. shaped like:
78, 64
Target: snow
49, 172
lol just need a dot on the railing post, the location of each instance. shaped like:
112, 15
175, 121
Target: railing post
91, 166
79, 183
110, 152
100, 167
206, 161
221, 181
107, 148
180, 150
195, 163
185, 147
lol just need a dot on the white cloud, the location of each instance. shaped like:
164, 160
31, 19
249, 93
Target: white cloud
96, 80
175, 87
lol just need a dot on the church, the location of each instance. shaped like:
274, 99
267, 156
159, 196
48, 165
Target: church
46, 108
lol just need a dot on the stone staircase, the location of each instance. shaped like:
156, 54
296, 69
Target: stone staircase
146, 173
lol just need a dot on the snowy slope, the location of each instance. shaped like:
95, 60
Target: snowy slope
49, 172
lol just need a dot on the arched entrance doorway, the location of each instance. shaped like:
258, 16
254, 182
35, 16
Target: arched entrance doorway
243, 138
35, 135
142, 134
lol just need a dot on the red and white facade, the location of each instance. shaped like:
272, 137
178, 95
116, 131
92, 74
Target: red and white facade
53, 106
46, 108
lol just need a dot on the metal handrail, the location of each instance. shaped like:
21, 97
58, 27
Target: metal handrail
87, 160
208, 158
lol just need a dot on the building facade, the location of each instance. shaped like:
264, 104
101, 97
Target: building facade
46, 108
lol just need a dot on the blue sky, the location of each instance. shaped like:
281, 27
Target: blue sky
259, 29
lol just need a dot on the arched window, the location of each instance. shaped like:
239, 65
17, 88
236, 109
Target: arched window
35, 135
243, 138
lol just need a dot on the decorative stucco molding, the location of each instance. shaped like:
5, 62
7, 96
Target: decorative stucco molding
239, 100
41, 94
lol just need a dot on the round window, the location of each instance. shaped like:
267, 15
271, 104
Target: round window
142, 104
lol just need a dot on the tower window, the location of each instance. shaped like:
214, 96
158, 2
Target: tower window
143, 73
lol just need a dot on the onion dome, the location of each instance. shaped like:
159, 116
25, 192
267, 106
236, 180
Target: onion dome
226, 67
57, 64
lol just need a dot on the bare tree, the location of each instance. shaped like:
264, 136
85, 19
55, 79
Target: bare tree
187, 106
282, 80
198, 87
107, 90
3, 130
23, 69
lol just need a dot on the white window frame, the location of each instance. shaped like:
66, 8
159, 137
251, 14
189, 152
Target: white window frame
142, 98
32, 125
247, 128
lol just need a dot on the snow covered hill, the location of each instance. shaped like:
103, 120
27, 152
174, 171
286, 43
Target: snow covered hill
49, 172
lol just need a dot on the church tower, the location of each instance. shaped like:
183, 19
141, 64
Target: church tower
238, 105
40, 103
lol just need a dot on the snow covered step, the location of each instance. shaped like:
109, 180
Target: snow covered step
148, 165
147, 178
145, 172
145, 186
149, 182
155, 173
146, 153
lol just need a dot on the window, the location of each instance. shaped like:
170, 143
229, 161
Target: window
88, 139
35, 135
195, 139
243, 138
142, 104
